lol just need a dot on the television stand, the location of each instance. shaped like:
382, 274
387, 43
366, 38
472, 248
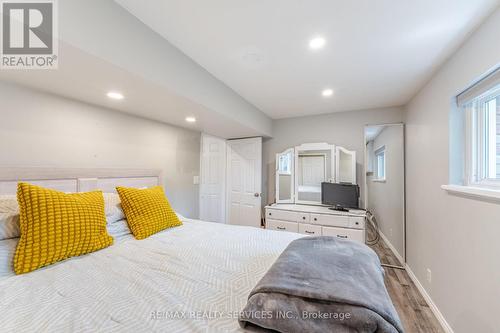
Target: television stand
317, 221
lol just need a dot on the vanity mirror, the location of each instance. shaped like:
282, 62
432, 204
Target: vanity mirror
301, 170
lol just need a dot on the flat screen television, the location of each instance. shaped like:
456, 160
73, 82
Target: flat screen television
341, 196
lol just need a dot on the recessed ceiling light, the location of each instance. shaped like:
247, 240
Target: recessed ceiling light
327, 92
317, 43
191, 119
114, 95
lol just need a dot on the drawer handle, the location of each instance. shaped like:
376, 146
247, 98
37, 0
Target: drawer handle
280, 228
309, 232
303, 217
315, 219
270, 214
340, 236
357, 223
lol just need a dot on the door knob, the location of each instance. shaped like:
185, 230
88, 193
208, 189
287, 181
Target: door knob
256, 195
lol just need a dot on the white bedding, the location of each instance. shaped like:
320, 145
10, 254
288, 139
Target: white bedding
199, 267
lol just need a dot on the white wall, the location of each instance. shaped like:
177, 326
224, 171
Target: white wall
38, 129
386, 199
456, 237
344, 129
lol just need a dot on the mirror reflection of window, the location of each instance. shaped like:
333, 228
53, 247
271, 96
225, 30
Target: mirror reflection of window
285, 164
380, 163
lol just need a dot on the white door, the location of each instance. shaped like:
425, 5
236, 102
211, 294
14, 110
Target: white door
244, 181
213, 179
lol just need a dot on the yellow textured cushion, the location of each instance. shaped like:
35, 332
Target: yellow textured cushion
55, 226
147, 211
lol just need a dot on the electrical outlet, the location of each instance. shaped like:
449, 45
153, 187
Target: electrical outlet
429, 275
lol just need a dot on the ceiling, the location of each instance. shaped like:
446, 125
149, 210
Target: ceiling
377, 53
87, 78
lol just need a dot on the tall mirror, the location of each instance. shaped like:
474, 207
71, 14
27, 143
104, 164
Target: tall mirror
385, 189
285, 176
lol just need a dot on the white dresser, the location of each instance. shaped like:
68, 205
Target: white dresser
316, 220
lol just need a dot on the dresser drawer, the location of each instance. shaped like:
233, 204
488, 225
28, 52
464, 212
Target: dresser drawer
330, 220
352, 234
309, 229
282, 225
356, 222
277, 214
303, 217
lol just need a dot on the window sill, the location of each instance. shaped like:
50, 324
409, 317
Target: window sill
378, 180
473, 192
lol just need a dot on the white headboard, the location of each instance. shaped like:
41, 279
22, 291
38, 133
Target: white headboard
78, 180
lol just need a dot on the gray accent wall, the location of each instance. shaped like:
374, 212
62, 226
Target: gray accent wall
42, 130
343, 128
456, 237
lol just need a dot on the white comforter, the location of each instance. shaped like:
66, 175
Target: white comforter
193, 278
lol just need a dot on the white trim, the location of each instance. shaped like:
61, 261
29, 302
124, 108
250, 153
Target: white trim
379, 180
473, 192
391, 247
439, 316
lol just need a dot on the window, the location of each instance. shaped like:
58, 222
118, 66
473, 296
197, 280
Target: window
482, 112
380, 163
484, 139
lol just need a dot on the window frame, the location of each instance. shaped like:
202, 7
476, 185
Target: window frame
476, 155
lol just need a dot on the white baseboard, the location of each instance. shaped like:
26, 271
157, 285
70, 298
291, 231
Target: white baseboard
439, 316
446, 327
393, 249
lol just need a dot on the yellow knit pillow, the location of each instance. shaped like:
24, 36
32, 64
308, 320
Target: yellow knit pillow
55, 226
147, 211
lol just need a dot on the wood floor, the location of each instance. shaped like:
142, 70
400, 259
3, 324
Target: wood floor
414, 312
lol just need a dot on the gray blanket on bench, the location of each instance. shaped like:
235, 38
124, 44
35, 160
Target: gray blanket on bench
322, 284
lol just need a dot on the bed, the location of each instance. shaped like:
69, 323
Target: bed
193, 278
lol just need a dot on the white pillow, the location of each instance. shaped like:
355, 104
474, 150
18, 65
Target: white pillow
118, 230
9, 217
7, 251
113, 208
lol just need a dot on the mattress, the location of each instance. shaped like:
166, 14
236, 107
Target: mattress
192, 278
